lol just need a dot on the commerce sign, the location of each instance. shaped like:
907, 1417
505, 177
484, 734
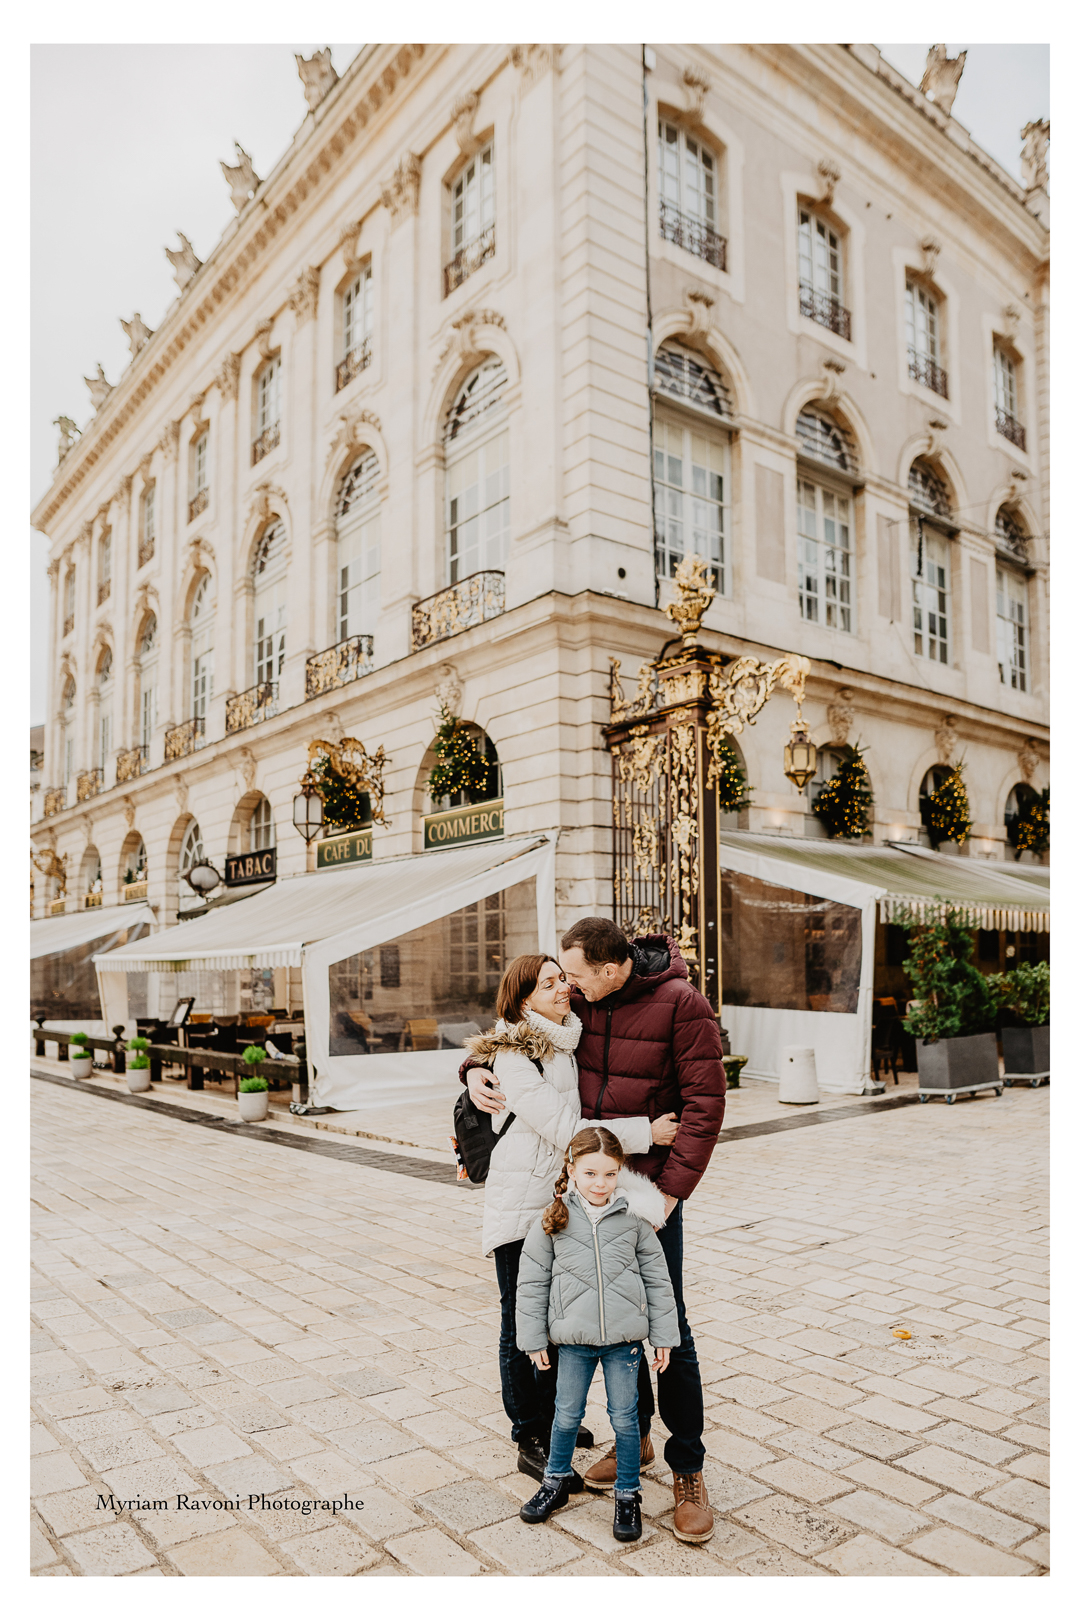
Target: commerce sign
254, 868
344, 849
466, 825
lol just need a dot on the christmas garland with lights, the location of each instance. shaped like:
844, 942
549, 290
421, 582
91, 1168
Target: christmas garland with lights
460, 767
732, 789
344, 805
845, 802
1031, 829
948, 813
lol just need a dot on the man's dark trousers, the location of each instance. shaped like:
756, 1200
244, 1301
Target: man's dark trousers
682, 1408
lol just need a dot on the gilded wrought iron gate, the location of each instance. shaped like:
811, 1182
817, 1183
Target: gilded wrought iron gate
665, 764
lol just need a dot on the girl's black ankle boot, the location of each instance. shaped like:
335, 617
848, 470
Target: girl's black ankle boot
551, 1496
627, 1526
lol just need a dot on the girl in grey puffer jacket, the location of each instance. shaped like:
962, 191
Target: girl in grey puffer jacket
593, 1280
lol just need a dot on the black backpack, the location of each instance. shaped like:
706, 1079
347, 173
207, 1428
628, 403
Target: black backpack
475, 1136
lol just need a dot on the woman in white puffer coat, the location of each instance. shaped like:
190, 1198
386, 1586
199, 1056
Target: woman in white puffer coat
531, 1050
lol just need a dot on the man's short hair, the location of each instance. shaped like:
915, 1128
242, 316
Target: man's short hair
599, 941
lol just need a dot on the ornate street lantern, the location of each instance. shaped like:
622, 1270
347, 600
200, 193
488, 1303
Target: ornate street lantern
202, 877
800, 755
307, 808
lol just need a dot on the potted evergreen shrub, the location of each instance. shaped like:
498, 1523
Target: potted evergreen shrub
137, 1070
953, 1011
252, 1092
1024, 999
81, 1057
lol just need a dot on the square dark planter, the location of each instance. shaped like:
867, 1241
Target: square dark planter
1027, 1053
961, 1063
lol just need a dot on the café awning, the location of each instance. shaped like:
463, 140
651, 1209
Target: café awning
50, 935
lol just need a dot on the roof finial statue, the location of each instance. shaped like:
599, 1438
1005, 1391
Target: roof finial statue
1036, 139
185, 264
68, 434
100, 388
137, 333
941, 77
318, 76
243, 181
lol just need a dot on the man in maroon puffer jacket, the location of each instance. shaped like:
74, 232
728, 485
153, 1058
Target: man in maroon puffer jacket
649, 1045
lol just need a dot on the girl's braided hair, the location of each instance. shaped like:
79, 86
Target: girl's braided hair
590, 1139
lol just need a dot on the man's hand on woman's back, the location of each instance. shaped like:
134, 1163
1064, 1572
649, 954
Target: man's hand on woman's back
485, 1091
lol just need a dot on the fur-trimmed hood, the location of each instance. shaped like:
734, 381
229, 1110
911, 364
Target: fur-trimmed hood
511, 1038
642, 1197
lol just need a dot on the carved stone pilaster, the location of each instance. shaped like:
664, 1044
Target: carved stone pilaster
304, 295
401, 193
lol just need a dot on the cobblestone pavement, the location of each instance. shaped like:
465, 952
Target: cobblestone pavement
216, 1318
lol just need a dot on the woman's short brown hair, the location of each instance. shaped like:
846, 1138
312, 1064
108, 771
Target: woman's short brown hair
517, 983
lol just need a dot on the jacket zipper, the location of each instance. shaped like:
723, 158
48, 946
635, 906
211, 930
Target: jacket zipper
599, 1277
607, 1051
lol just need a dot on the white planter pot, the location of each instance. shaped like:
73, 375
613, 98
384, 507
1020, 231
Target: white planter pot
253, 1105
138, 1079
82, 1068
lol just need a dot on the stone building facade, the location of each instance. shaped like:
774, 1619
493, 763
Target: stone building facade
526, 325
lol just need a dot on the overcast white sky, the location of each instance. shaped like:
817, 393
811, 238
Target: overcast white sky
125, 147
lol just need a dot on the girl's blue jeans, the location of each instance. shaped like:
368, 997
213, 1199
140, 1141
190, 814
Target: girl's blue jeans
577, 1363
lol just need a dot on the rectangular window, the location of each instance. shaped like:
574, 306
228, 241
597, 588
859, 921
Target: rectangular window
104, 738
930, 593
199, 465
69, 601
1005, 383
149, 529
478, 488
202, 683
356, 313
105, 561
69, 757
148, 716
687, 175
358, 594
474, 200
1012, 630
825, 560
689, 474
787, 949
820, 266
922, 323
270, 642
269, 408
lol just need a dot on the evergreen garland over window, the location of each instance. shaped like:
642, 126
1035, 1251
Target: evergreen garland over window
845, 802
460, 767
732, 790
1031, 828
344, 806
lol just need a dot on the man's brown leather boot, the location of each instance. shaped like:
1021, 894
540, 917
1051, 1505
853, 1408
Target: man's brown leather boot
601, 1476
693, 1515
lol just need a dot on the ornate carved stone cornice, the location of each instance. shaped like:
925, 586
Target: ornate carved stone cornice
830, 179
464, 339
350, 433
401, 193
697, 87
262, 338
318, 159
699, 304
349, 242
463, 115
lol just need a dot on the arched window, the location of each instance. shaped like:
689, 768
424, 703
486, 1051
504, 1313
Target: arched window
691, 460
1021, 797
477, 442
135, 869
826, 555
105, 708
1009, 536
67, 702
260, 828
492, 787
688, 174
271, 608
90, 875
191, 851
935, 777
148, 663
358, 537
202, 654
931, 562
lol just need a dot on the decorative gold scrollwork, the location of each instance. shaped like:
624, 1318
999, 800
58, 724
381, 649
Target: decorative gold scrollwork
350, 759
740, 691
692, 603
646, 844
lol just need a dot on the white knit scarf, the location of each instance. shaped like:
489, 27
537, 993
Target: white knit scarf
563, 1037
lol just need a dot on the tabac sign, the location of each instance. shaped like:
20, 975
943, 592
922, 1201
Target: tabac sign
466, 825
343, 850
258, 867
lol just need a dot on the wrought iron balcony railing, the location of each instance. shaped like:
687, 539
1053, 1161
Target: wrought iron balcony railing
69, 624
198, 503
693, 235
468, 259
481, 596
91, 900
146, 550
183, 739
339, 665
268, 440
134, 891
55, 800
248, 708
103, 591
826, 310
88, 784
928, 372
131, 762
1010, 428
356, 361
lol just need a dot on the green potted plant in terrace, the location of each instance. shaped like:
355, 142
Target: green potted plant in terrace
1024, 1000
252, 1092
137, 1070
953, 1009
81, 1057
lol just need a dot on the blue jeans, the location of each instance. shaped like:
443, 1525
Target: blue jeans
577, 1363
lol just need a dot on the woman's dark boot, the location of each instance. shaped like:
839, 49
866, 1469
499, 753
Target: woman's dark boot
627, 1526
552, 1495
532, 1460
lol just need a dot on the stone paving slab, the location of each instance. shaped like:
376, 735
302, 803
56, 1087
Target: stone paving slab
217, 1318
